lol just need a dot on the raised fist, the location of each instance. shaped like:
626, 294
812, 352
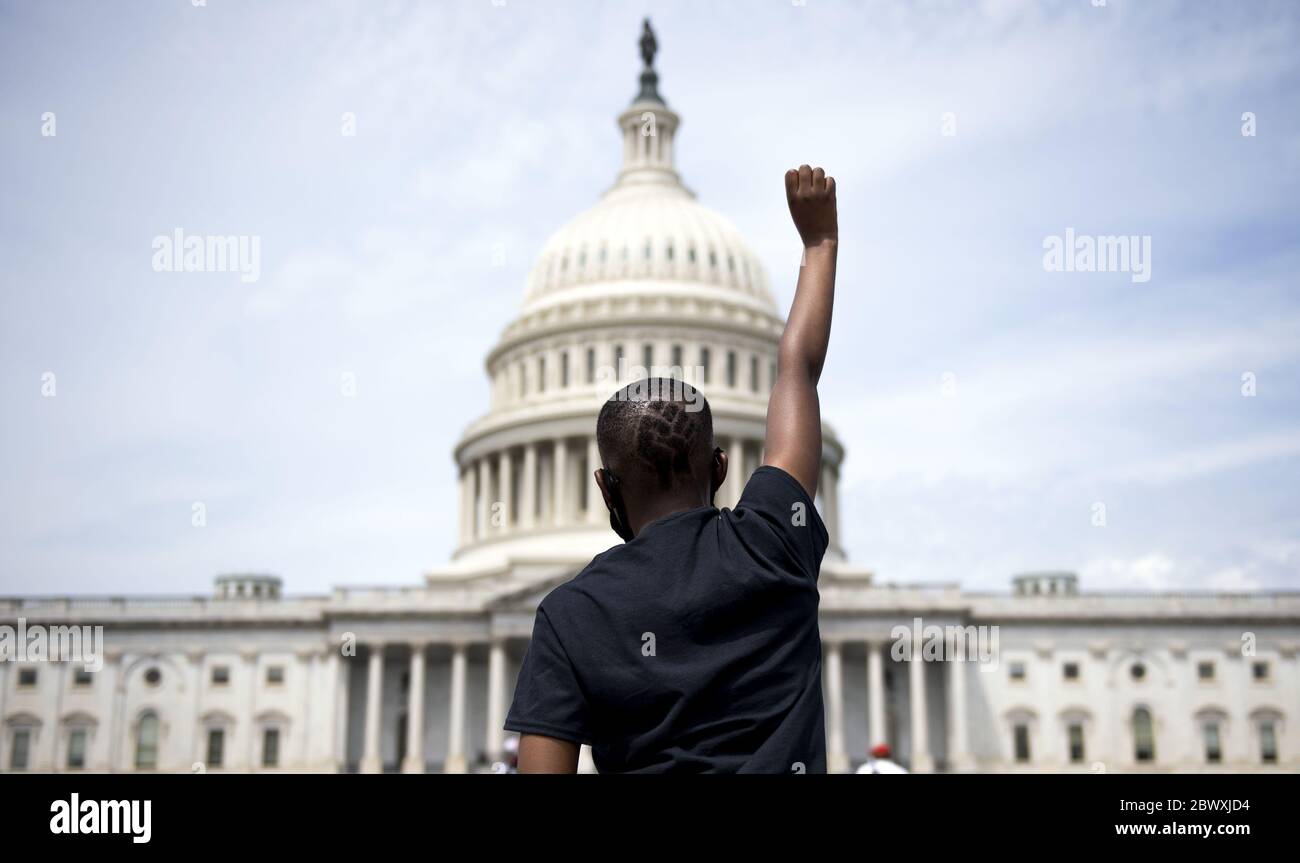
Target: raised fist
811, 195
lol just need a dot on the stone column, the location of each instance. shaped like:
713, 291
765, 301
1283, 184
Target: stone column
831, 502
561, 506
113, 661
414, 761
455, 762
528, 489
47, 748
836, 760
340, 675
595, 503
371, 761
466, 506
496, 713
959, 759
505, 488
4, 682
484, 497
878, 731
198, 742
250, 711
735, 471
920, 741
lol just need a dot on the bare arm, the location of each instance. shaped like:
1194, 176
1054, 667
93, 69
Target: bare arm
794, 424
539, 754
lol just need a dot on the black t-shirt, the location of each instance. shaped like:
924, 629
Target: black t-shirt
692, 648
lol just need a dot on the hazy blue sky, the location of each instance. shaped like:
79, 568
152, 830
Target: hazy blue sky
480, 124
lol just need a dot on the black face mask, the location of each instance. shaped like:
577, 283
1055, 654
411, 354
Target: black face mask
618, 521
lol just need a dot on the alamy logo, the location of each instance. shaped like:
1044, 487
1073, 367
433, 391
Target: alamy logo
211, 253
37, 643
933, 643
131, 817
1102, 254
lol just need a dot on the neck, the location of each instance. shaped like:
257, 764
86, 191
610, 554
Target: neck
648, 510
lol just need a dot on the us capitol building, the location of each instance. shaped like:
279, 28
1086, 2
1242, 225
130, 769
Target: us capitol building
418, 678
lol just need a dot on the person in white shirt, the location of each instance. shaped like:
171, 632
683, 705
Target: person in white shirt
880, 761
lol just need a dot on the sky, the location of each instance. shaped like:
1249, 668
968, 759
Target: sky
1139, 428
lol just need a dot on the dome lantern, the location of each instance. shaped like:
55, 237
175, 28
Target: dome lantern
648, 127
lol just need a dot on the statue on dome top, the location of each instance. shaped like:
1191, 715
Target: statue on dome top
648, 44
649, 78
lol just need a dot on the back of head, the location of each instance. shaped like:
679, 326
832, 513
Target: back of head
656, 436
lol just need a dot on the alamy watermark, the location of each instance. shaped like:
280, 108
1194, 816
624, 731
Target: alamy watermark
179, 252
38, 643
656, 383
1082, 253
934, 643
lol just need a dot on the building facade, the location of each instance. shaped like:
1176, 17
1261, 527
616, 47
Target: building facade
418, 678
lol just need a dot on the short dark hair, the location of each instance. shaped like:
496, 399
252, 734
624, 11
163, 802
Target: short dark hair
657, 430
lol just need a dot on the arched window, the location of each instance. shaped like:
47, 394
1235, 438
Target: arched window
146, 742
1144, 737
1268, 724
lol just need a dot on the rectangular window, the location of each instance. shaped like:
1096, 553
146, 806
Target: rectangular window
753, 373
1267, 743
541, 374
1259, 671
1076, 742
564, 369
1205, 671
216, 746
220, 675
1017, 671
26, 678
275, 675
677, 357
20, 749
1144, 740
1070, 670
82, 677
704, 364
618, 362
1022, 743
146, 743
1213, 745
591, 365
648, 359
271, 747
731, 368
77, 749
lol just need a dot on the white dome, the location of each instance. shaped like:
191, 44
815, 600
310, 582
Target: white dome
646, 283
648, 231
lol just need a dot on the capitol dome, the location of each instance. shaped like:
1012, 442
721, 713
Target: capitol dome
647, 282
649, 232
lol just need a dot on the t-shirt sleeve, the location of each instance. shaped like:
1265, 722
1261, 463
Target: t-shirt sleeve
548, 699
779, 504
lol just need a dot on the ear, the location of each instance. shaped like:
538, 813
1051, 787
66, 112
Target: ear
604, 491
718, 470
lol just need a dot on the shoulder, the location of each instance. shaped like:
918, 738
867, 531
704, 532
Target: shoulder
578, 590
776, 515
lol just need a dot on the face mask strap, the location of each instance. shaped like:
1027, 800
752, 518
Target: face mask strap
618, 520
